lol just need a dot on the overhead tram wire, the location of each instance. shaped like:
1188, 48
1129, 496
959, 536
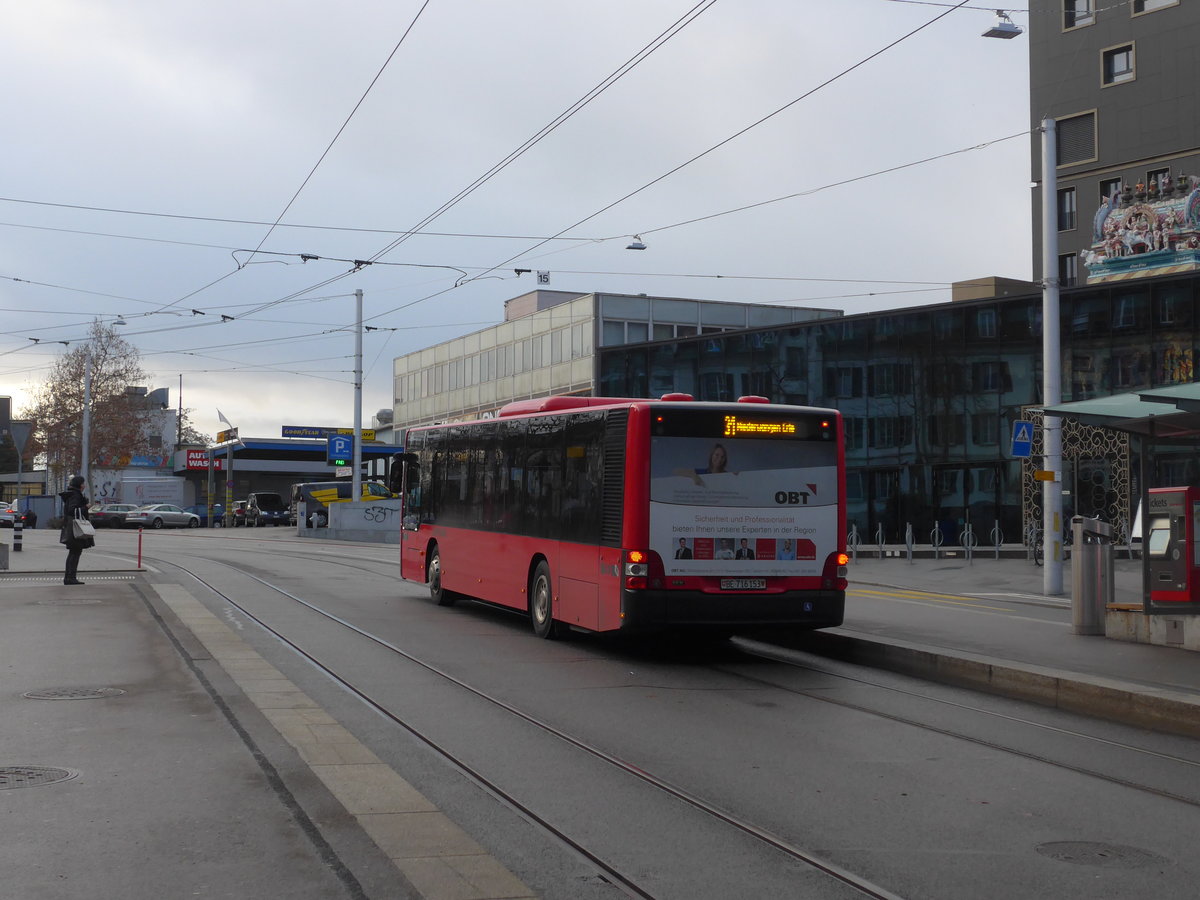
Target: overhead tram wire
737, 134
227, 221
361, 100
616, 75
664, 36
697, 157
834, 184
317, 165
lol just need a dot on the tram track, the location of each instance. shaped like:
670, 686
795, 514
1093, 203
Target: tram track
780, 655
774, 654
608, 871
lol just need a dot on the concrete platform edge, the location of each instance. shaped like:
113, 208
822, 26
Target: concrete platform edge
1157, 709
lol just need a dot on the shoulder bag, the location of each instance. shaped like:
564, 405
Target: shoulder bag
81, 527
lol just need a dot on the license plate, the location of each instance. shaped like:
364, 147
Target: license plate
743, 584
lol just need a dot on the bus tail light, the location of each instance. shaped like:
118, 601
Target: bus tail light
637, 570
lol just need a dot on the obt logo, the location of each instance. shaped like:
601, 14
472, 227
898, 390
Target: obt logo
791, 498
795, 498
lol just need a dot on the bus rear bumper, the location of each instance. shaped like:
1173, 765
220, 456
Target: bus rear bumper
651, 610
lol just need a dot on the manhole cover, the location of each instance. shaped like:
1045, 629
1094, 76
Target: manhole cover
1105, 856
72, 601
73, 693
31, 776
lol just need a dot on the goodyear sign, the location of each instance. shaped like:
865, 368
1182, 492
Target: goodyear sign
317, 431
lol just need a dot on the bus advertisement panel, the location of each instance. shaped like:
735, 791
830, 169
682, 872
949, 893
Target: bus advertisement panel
768, 506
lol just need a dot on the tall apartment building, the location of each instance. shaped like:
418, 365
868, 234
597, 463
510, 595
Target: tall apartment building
1120, 80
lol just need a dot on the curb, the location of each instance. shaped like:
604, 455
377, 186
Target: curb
1143, 706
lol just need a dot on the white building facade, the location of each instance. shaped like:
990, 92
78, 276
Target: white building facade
548, 344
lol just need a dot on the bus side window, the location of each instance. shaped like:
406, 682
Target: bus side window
412, 498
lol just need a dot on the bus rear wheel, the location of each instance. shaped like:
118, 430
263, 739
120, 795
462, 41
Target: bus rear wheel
541, 603
437, 592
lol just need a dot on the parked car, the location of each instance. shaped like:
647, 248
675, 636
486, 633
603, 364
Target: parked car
110, 515
7, 515
201, 510
266, 508
162, 515
239, 513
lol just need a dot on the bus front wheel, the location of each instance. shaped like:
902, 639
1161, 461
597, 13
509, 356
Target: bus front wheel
541, 603
437, 592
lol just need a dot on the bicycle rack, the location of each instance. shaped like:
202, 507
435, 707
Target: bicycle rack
997, 537
969, 542
936, 539
908, 540
879, 538
852, 541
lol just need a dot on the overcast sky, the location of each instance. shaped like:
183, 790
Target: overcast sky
149, 147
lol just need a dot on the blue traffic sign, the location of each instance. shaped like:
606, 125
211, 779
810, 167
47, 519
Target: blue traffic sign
339, 449
1022, 438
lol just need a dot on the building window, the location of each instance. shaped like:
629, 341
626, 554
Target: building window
844, 381
1118, 64
1077, 13
853, 427
990, 376
886, 379
985, 428
1066, 209
1068, 271
1156, 178
985, 323
1076, 139
1145, 6
1110, 188
946, 429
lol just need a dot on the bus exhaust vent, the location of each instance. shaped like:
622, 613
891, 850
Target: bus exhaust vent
613, 499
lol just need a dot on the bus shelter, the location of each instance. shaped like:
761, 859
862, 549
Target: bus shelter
1154, 418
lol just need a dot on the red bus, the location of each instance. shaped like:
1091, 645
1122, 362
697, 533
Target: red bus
604, 514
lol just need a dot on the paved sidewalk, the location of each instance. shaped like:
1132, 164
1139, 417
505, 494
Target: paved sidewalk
1148, 686
170, 736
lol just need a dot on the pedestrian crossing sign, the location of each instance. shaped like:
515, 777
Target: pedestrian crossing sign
1022, 438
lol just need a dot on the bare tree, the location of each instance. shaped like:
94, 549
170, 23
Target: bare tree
120, 420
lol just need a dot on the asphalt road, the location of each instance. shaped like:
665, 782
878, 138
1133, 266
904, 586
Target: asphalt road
922, 790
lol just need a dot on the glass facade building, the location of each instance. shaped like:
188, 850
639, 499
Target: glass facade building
930, 396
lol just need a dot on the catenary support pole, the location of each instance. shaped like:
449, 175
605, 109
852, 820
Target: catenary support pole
1052, 574
356, 483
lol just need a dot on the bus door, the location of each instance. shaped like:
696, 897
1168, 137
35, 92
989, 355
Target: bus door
408, 484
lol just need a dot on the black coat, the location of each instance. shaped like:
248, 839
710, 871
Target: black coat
73, 501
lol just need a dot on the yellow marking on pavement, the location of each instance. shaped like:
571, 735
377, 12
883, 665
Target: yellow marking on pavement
948, 599
436, 856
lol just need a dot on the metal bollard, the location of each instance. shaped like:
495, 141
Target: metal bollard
1091, 574
908, 541
18, 533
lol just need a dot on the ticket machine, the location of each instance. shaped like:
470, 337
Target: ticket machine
1173, 545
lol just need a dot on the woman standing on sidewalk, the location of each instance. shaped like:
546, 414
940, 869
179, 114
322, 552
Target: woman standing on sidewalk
75, 505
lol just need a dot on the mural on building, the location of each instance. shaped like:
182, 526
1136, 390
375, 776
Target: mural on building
1146, 230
